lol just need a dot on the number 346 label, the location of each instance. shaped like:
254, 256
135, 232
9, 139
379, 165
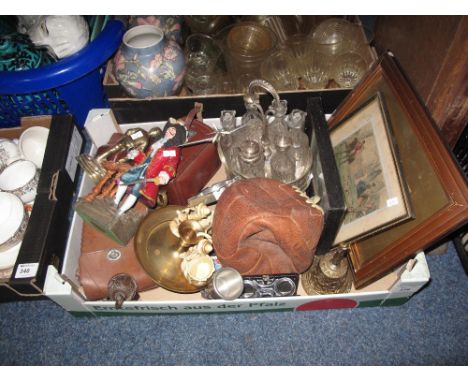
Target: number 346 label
26, 270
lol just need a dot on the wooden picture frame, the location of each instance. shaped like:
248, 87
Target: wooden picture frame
438, 190
373, 184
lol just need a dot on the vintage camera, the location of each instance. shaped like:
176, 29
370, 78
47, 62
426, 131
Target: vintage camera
270, 285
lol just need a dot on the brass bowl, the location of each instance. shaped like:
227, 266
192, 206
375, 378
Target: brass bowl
158, 251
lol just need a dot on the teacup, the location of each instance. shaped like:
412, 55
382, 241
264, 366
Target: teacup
8, 260
32, 144
20, 178
13, 221
9, 152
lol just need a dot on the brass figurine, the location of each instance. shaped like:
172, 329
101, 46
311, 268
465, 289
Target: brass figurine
135, 138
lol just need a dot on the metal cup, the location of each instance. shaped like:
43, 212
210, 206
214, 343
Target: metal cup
226, 284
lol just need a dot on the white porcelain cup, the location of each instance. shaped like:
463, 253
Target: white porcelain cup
13, 221
32, 144
8, 260
9, 152
20, 178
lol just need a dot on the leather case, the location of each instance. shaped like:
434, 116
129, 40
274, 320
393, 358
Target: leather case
101, 259
198, 162
264, 227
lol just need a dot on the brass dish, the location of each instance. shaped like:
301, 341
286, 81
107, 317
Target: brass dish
158, 251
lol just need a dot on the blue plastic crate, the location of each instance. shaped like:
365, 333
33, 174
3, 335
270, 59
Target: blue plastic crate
72, 85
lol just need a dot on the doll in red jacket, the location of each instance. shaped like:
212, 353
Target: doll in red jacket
157, 168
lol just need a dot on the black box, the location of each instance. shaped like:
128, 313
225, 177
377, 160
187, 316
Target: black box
46, 235
326, 181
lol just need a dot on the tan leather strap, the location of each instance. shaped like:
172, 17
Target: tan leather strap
195, 112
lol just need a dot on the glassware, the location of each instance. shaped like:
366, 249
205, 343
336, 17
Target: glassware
298, 44
277, 123
275, 23
207, 24
296, 122
255, 141
280, 70
283, 166
203, 56
251, 159
254, 118
314, 70
202, 84
228, 123
300, 147
331, 36
243, 80
245, 46
348, 69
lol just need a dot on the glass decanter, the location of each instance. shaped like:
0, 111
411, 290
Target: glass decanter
277, 122
300, 141
251, 160
283, 165
228, 123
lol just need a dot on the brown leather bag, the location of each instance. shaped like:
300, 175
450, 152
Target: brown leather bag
198, 163
101, 259
264, 227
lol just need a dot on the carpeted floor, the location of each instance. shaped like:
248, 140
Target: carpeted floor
431, 329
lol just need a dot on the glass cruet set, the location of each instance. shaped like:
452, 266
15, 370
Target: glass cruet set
270, 144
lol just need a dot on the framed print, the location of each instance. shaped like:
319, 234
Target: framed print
374, 189
437, 188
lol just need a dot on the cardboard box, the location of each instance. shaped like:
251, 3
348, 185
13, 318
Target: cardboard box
115, 91
394, 289
62, 286
45, 237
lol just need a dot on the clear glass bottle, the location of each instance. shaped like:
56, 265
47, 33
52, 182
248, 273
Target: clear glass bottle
300, 141
228, 142
283, 165
251, 159
228, 123
253, 119
277, 122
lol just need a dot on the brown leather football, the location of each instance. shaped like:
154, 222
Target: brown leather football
263, 226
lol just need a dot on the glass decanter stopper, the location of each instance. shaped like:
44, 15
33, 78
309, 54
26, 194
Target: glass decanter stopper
251, 159
296, 119
283, 166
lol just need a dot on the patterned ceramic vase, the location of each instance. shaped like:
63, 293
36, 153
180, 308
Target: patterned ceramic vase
148, 65
171, 25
